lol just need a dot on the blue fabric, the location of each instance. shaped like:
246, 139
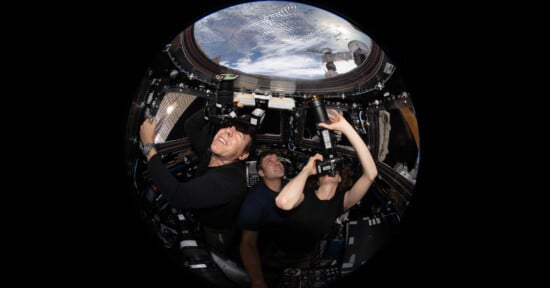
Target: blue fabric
259, 211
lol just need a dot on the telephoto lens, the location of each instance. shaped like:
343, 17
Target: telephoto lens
224, 99
220, 110
317, 106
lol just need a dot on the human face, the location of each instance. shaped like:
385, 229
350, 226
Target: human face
271, 167
326, 178
229, 144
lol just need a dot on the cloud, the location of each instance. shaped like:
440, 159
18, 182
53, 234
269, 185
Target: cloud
273, 37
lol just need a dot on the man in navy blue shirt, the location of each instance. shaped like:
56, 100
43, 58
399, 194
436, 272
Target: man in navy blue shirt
260, 220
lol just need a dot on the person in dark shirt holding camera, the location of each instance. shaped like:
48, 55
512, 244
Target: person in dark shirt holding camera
313, 211
218, 188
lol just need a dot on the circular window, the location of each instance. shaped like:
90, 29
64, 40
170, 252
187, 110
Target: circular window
272, 70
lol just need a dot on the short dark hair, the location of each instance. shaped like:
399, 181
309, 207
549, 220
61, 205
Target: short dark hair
261, 157
251, 145
239, 126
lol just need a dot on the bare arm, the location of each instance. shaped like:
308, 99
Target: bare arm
147, 135
251, 258
292, 194
361, 186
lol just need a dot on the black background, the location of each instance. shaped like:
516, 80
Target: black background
99, 54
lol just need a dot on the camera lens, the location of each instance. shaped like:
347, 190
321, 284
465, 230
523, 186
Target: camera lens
318, 107
225, 93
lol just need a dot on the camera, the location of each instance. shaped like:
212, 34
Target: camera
221, 111
330, 166
328, 139
254, 120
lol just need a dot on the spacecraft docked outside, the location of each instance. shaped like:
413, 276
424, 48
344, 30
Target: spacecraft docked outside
185, 77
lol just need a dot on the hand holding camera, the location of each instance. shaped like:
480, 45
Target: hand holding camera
329, 166
326, 124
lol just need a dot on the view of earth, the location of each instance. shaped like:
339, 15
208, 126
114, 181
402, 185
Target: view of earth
279, 38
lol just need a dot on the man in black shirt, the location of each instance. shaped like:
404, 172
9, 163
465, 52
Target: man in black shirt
219, 186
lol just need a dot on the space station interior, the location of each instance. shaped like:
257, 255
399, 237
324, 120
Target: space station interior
372, 98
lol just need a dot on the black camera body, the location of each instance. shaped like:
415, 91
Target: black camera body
251, 122
328, 139
330, 166
221, 111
